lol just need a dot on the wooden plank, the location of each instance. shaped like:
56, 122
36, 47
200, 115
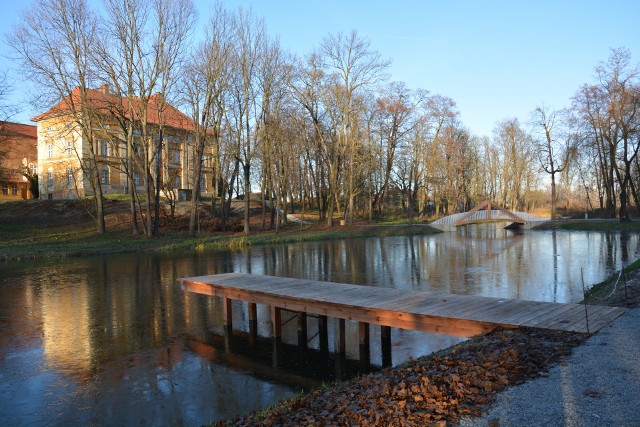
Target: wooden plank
459, 315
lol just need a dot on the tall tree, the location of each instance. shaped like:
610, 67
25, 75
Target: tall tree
351, 67
247, 101
610, 116
54, 42
517, 163
552, 146
147, 44
395, 120
205, 82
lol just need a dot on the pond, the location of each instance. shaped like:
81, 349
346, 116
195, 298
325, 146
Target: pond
113, 340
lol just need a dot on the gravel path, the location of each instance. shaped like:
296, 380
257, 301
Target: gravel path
599, 385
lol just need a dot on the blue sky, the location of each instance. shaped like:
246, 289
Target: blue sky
496, 59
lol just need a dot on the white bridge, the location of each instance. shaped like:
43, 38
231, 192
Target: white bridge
487, 211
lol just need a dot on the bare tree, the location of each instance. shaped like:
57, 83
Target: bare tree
247, 99
54, 42
205, 82
553, 147
610, 116
351, 66
395, 120
517, 163
7, 109
147, 45
308, 87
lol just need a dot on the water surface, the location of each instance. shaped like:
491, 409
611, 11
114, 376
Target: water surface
113, 340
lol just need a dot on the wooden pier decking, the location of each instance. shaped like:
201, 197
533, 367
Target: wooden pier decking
434, 312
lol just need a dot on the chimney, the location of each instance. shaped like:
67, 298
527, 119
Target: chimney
104, 88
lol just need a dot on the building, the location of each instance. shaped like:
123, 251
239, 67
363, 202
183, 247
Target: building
64, 154
18, 160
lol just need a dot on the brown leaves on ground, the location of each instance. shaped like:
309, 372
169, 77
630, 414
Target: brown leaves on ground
430, 391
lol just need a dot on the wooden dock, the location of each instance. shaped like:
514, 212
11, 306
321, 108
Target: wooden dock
433, 312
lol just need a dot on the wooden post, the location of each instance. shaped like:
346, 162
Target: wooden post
253, 322
277, 352
385, 336
338, 337
227, 312
363, 332
276, 319
302, 329
323, 334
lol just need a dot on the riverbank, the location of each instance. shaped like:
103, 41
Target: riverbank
36, 229
63, 229
458, 383
611, 225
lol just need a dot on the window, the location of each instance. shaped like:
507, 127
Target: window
34, 169
136, 179
178, 181
70, 177
203, 182
14, 189
69, 148
105, 175
49, 179
105, 149
5, 189
49, 151
176, 156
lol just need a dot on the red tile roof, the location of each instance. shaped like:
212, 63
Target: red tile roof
107, 103
18, 130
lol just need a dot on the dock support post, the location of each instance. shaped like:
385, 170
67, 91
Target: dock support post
339, 337
363, 332
253, 322
227, 312
302, 329
276, 319
385, 336
323, 334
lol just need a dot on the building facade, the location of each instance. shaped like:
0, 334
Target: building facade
65, 155
18, 148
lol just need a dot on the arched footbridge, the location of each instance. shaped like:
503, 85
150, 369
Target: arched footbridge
487, 211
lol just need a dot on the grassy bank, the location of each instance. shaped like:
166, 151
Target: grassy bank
607, 225
28, 242
617, 290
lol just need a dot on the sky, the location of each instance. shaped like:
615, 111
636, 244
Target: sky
496, 59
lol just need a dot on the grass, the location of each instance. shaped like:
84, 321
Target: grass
609, 290
610, 225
